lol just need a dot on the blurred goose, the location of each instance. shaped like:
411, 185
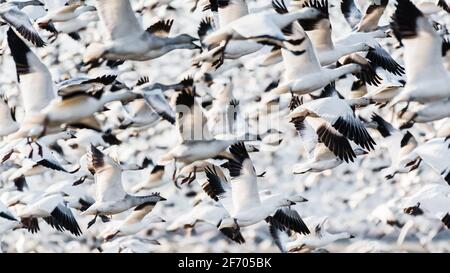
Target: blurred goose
367, 22
35, 80
398, 145
135, 222
10, 12
264, 26
304, 74
53, 209
62, 14
433, 199
434, 153
242, 201
110, 195
427, 78
126, 38
319, 236
154, 179
7, 118
7, 220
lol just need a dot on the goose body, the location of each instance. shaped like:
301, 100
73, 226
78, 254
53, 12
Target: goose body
127, 39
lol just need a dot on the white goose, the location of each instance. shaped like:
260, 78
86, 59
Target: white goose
398, 145
433, 199
319, 236
304, 73
7, 118
35, 80
110, 195
154, 179
227, 11
10, 12
197, 144
127, 40
265, 26
63, 13
53, 209
319, 31
367, 22
331, 121
7, 220
427, 78
242, 201
135, 222
434, 153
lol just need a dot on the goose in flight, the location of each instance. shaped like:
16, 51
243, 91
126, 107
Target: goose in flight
304, 74
398, 145
110, 195
319, 236
61, 14
7, 220
263, 27
367, 22
8, 121
242, 201
11, 14
35, 158
434, 153
135, 222
427, 78
127, 40
35, 80
331, 121
433, 199
197, 143
53, 210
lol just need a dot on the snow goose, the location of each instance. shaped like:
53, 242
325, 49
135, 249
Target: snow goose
62, 14
153, 94
243, 202
197, 143
304, 74
7, 118
127, 39
367, 22
397, 143
74, 106
53, 209
264, 27
329, 51
228, 11
135, 222
10, 12
331, 121
154, 179
7, 220
319, 31
385, 92
427, 78
319, 236
35, 159
110, 195
433, 199
34, 78
435, 153
425, 112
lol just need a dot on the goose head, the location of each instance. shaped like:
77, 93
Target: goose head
94, 52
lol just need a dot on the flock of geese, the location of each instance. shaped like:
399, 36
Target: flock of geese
306, 125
